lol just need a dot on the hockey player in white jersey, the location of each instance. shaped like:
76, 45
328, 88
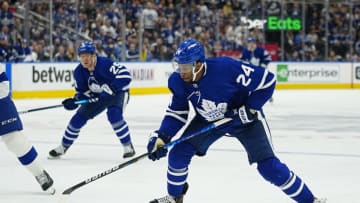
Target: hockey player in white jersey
217, 88
106, 82
11, 133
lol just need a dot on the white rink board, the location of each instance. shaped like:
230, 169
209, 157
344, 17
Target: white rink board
57, 76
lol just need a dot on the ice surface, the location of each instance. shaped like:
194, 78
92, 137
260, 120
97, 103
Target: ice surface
315, 132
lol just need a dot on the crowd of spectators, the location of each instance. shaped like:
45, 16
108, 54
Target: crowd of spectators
219, 24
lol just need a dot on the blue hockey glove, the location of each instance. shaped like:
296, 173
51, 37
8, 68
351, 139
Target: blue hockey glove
69, 104
243, 114
155, 147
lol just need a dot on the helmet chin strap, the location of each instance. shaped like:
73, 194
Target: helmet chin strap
94, 61
195, 73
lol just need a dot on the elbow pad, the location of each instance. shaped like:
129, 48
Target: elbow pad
4, 89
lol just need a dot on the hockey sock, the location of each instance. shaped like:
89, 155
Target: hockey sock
179, 159
279, 174
176, 179
119, 125
73, 129
17, 143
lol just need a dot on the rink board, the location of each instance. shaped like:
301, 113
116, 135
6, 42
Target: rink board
55, 80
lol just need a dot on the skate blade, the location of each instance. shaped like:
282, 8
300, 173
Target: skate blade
51, 190
53, 157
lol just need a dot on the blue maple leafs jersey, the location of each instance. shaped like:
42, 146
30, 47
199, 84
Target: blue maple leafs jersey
258, 57
227, 84
106, 72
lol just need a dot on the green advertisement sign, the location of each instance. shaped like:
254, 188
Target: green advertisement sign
276, 23
282, 73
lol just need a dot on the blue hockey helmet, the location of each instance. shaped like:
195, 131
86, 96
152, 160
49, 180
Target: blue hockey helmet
251, 39
86, 47
189, 51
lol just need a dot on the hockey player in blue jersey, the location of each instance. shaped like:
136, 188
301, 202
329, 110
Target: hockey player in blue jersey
11, 133
217, 88
107, 83
256, 55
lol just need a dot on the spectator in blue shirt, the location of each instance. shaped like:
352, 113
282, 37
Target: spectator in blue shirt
22, 51
5, 49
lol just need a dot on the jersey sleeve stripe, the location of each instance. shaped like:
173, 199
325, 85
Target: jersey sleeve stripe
269, 83
126, 87
124, 70
262, 80
177, 112
177, 117
123, 76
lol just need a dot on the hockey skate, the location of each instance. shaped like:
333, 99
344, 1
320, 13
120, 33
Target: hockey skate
171, 199
316, 200
57, 152
129, 151
45, 182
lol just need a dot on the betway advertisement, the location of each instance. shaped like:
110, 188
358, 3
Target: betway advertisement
43, 76
59, 76
315, 73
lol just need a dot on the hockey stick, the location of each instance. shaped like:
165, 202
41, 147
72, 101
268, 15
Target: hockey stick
84, 101
131, 161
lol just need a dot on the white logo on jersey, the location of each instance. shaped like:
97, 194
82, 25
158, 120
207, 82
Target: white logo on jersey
178, 51
210, 111
94, 85
255, 61
8, 121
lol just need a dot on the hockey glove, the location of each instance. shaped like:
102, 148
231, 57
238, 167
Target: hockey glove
155, 147
69, 104
243, 114
247, 115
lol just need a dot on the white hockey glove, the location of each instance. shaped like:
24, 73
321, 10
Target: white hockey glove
244, 115
247, 115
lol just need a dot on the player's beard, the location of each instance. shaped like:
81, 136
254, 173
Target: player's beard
187, 77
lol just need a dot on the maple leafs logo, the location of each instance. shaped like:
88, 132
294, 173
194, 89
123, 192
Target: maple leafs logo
94, 85
210, 111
